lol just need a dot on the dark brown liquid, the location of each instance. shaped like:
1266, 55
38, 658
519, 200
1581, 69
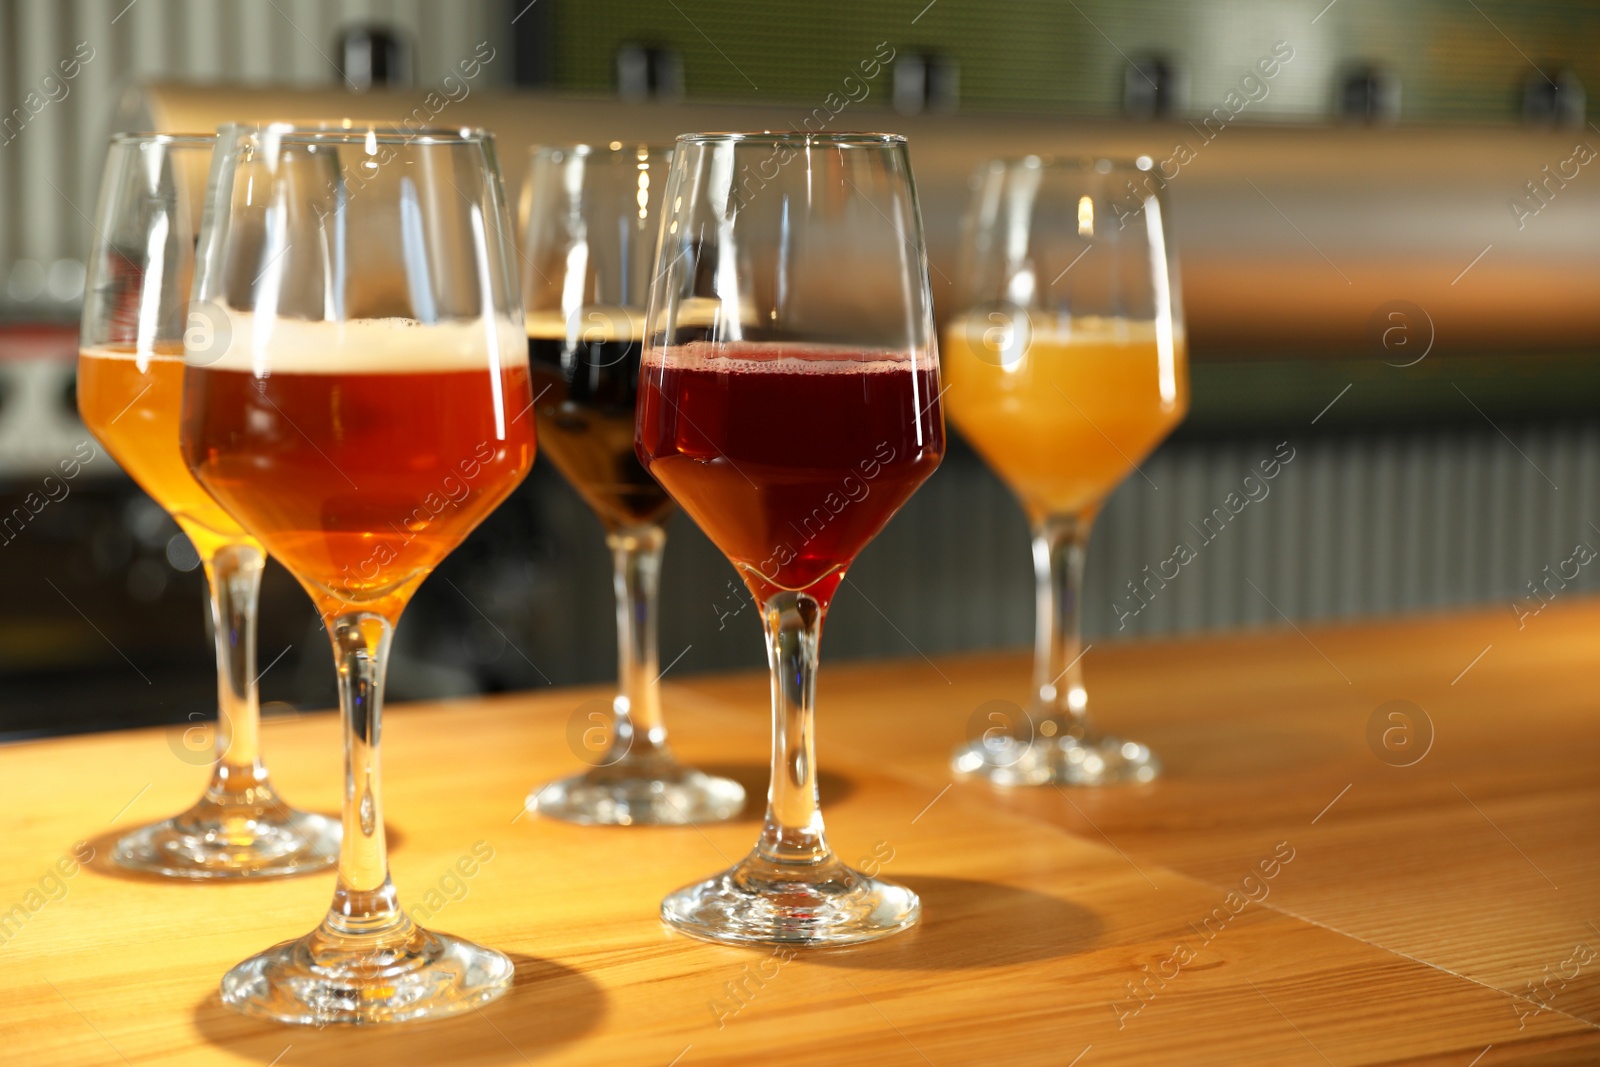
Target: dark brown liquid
585, 402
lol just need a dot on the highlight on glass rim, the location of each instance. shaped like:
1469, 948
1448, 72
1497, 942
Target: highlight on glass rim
957, 533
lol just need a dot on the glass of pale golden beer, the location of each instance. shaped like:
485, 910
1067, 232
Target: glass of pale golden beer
1066, 365
589, 244
369, 408
130, 381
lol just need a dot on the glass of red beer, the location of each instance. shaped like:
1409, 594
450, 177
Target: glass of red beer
789, 402
359, 405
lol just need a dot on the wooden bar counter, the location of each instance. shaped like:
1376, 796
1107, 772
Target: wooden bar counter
1300, 887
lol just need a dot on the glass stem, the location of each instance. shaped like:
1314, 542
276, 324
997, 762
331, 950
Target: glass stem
234, 576
793, 833
1059, 543
638, 734
364, 901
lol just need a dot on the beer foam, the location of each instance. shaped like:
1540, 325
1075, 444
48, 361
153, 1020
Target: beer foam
784, 357
591, 324
1061, 329
128, 352
358, 346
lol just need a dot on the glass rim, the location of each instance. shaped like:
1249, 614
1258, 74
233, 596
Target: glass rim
609, 148
177, 140
1082, 164
356, 131
841, 139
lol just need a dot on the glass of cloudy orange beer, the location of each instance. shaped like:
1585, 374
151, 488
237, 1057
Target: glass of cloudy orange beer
366, 407
1066, 367
130, 381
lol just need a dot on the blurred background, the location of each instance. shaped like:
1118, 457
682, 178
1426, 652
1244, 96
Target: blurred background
1390, 255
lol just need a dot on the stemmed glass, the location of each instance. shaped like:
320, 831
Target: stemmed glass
1067, 366
789, 402
130, 382
365, 411
593, 217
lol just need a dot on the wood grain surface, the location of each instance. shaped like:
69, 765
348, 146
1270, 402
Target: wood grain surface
1438, 912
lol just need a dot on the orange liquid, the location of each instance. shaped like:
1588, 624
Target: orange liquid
360, 484
1064, 420
132, 407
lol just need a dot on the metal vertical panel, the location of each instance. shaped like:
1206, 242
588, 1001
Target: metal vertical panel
1255, 524
1234, 570
1500, 500
38, 147
1438, 493
203, 57
1190, 606
1528, 489
93, 97
259, 29
1587, 486
952, 571
150, 33
943, 539
307, 42
1471, 535
1349, 523
1377, 577
1154, 522
433, 37
48, 174
10, 83
1321, 473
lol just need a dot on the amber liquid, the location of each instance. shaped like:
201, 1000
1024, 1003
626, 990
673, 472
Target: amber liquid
360, 484
132, 405
585, 393
1064, 422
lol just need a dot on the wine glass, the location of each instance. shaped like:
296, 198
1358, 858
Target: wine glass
1067, 365
130, 384
789, 402
592, 219
368, 409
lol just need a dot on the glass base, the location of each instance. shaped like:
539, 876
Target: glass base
763, 903
213, 840
1065, 760
326, 977
627, 794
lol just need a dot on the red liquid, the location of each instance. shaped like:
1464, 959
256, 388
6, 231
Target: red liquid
790, 465
359, 484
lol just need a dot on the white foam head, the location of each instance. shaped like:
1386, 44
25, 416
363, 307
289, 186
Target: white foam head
1051, 328
784, 357
129, 352
357, 346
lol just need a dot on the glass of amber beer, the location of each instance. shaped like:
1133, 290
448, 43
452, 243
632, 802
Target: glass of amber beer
1066, 366
130, 382
368, 409
789, 401
593, 214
